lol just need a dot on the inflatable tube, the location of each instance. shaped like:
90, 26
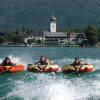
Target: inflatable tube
17, 68
2, 69
12, 69
87, 68
48, 69
80, 68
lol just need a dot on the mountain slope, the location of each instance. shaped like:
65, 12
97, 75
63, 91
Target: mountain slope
37, 13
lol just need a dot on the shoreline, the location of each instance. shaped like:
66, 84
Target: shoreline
62, 46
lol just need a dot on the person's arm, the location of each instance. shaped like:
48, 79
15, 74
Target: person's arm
77, 68
37, 63
72, 64
82, 62
49, 62
1, 64
13, 64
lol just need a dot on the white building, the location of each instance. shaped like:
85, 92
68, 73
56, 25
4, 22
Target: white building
76, 38
54, 37
53, 24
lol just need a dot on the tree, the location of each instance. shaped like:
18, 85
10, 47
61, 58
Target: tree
18, 39
8, 36
99, 33
99, 37
92, 35
29, 31
32, 41
2, 40
77, 30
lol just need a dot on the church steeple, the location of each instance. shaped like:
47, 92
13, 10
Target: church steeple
53, 18
53, 24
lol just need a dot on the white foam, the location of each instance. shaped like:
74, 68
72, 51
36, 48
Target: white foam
61, 89
46, 88
55, 90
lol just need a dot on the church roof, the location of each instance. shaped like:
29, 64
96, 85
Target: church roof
53, 18
55, 34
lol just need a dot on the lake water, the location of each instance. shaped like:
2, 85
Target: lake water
31, 86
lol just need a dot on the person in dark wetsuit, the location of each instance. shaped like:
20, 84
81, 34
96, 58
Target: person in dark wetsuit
7, 62
77, 62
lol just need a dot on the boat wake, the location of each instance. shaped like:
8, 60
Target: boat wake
45, 87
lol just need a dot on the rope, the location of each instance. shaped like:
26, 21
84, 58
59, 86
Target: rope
13, 81
27, 90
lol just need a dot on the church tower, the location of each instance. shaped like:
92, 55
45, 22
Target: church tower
53, 24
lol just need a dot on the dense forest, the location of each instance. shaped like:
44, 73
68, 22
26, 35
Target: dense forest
36, 13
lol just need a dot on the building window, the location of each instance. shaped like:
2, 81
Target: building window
53, 26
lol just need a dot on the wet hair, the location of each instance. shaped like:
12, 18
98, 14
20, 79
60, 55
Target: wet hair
44, 57
7, 58
76, 58
5, 63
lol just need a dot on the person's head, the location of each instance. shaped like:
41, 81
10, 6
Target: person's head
43, 58
77, 60
7, 60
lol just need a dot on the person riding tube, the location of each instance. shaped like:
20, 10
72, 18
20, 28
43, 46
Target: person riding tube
43, 63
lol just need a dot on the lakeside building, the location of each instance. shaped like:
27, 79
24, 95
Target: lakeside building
76, 38
52, 37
